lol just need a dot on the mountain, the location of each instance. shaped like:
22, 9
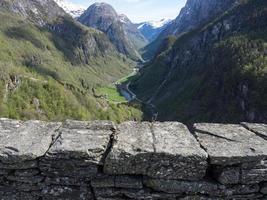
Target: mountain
135, 35
75, 10
103, 17
50, 65
193, 15
152, 29
215, 71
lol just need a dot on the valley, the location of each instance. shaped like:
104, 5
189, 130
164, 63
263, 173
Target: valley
62, 61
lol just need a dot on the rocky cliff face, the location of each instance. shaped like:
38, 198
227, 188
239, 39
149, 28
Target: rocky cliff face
37, 11
196, 13
213, 72
158, 161
103, 17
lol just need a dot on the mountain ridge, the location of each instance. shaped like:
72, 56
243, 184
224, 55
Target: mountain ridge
207, 87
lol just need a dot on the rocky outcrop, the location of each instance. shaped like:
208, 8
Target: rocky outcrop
99, 160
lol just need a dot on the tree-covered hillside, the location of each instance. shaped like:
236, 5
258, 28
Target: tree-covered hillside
48, 72
216, 72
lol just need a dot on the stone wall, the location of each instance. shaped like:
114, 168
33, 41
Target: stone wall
153, 161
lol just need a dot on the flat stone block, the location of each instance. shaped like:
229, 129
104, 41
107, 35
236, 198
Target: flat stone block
25, 141
230, 144
160, 150
82, 140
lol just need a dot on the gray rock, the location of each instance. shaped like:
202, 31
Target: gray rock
102, 181
227, 175
66, 193
28, 172
18, 196
260, 129
205, 187
162, 150
234, 197
230, 144
264, 188
71, 168
23, 141
198, 197
79, 150
254, 176
82, 140
67, 181
128, 182
31, 180
181, 187
22, 165
144, 194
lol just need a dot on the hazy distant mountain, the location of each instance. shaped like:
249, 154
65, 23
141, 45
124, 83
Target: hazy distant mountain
75, 10
152, 29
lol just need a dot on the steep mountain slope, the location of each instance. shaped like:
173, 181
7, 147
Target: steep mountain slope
75, 10
103, 17
152, 29
196, 13
216, 73
50, 63
135, 36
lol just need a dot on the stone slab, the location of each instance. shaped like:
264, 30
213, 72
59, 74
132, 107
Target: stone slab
260, 129
25, 141
230, 144
82, 140
160, 150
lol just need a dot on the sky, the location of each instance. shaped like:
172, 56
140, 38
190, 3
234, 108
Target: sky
142, 10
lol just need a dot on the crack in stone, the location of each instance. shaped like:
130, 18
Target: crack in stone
153, 136
254, 131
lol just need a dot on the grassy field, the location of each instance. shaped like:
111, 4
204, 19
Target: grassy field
111, 94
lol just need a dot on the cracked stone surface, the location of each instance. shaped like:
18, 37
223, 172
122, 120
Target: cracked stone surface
25, 141
260, 129
230, 144
82, 140
161, 150
79, 150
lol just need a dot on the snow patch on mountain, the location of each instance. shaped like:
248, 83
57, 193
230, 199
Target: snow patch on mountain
155, 24
75, 10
